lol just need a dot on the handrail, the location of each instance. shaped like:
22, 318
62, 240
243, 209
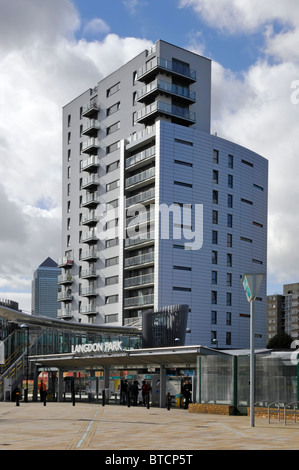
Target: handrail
278, 403
285, 410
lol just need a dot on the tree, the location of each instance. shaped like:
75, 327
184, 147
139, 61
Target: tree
280, 341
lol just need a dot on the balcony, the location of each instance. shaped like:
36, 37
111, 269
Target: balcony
178, 114
150, 91
90, 291
143, 280
91, 110
151, 68
148, 238
90, 236
65, 279
145, 177
92, 128
91, 182
65, 262
141, 300
144, 197
89, 255
144, 260
89, 273
91, 146
91, 200
88, 310
64, 313
141, 158
90, 219
140, 219
91, 164
65, 296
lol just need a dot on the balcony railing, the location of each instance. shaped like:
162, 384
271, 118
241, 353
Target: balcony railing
143, 156
91, 128
141, 197
91, 110
90, 219
88, 273
170, 66
64, 313
139, 280
64, 296
91, 164
89, 200
89, 255
148, 237
146, 258
90, 236
90, 182
166, 87
140, 300
89, 291
159, 107
65, 262
140, 177
88, 309
91, 146
65, 279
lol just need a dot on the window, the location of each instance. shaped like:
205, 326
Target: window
215, 176
229, 241
185, 142
230, 201
228, 318
113, 89
230, 181
113, 109
112, 261
228, 299
228, 338
247, 163
256, 186
214, 257
111, 148
69, 172
182, 268
214, 317
113, 166
215, 237
68, 137
213, 336
229, 279
113, 128
244, 239
112, 242
181, 162
214, 297
229, 220
215, 197
109, 281
229, 260
215, 217
111, 299
181, 183
215, 156
230, 161
214, 277
257, 224
112, 185
111, 318
182, 289
246, 201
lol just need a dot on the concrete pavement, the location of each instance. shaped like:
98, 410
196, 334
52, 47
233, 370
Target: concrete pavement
62, 426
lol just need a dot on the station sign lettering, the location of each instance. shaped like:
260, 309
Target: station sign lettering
105, 347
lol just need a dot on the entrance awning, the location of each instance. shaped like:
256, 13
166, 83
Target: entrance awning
182, 356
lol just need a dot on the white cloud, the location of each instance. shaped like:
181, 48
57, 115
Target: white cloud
42, 67
96, 26
255, 109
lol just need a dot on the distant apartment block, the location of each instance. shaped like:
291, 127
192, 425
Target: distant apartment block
156, 210
44, 289
283, 312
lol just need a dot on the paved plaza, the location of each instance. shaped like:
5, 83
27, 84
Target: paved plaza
63, 426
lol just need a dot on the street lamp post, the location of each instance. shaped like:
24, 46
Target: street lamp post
26, 327
252, 284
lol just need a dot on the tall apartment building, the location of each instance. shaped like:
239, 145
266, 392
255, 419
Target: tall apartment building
156, 210
44, 289
283, 312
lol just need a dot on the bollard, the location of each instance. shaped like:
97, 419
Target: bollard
148, 401
103, 397
45, 398
129, 399
168, 401
17, 398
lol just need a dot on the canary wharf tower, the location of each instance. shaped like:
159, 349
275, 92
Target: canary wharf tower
157, 211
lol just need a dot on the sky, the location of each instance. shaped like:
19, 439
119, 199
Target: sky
53, 50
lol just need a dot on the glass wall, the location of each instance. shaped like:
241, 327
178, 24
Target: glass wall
217, 379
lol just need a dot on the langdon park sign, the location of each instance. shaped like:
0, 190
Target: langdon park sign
105, 347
